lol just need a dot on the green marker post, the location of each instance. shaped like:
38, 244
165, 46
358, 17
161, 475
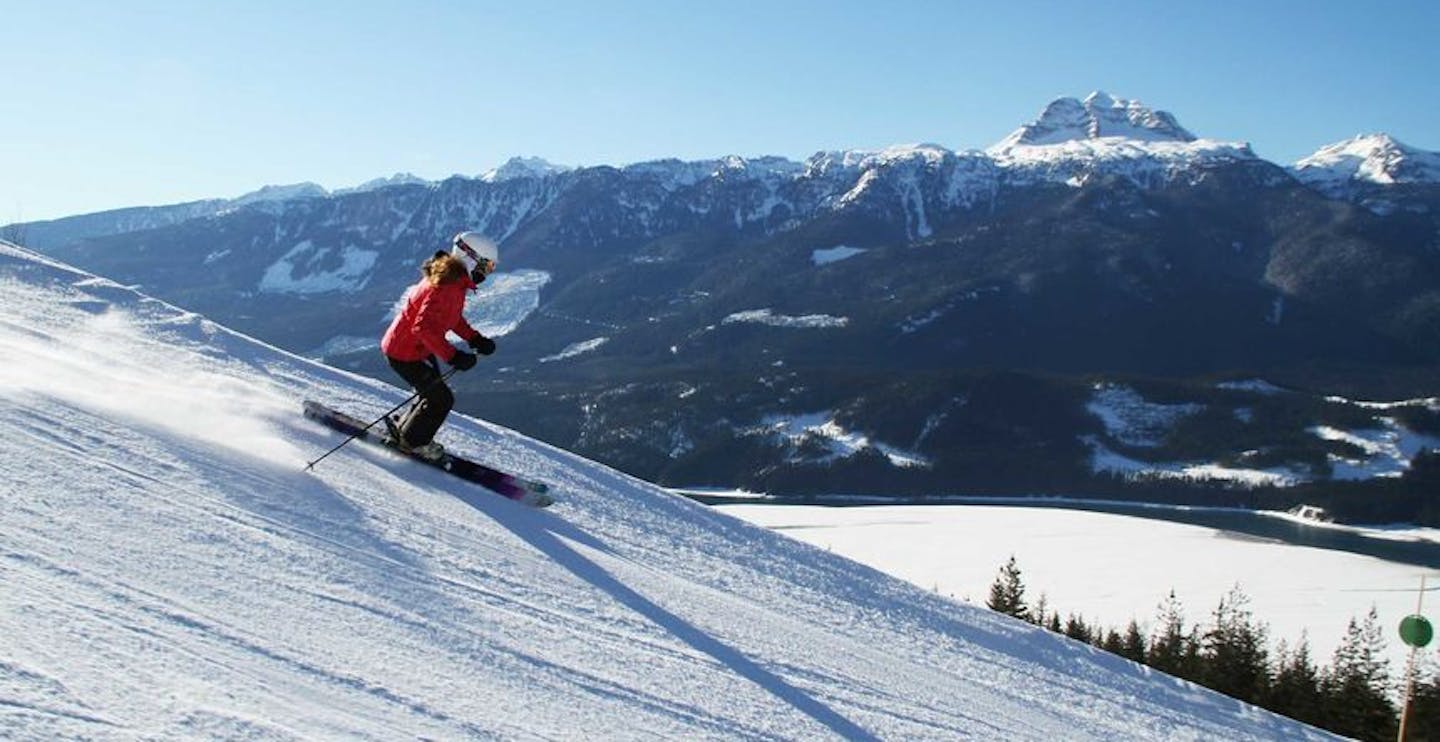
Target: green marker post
1415, 631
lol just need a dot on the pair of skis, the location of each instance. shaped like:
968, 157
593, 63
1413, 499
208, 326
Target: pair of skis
535, 494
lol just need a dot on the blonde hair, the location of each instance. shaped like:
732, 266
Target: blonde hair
442, 268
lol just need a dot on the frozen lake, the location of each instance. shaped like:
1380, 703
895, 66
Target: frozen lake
1111, 567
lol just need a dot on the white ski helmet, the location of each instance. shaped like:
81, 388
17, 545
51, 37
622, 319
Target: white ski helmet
473, 247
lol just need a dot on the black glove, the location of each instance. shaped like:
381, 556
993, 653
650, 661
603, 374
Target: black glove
483, 345
462, 360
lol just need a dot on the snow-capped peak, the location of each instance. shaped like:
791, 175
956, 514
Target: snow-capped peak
1370, 158
1074, 141
374, 185
523, 167
673, 174
272, 193
1099, 116
821, 163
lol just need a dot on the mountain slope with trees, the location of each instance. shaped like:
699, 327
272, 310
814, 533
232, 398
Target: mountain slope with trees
963, 307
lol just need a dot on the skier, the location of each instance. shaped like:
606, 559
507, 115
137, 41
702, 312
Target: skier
432, 308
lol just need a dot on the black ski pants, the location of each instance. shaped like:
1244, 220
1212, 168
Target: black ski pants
419, 424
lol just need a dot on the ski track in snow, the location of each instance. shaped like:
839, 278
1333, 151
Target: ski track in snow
168, 570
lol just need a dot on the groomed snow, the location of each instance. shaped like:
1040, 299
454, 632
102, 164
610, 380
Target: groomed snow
169, 571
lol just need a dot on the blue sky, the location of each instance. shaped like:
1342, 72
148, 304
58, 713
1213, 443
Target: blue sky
107, 105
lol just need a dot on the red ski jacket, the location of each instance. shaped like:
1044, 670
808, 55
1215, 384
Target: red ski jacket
430, 311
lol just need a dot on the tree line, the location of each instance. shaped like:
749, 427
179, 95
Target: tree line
1354, 695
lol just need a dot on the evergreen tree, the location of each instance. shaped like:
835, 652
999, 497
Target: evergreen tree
1235, 659
1424, 719
1007, 593
1112, 643
1191, 661
1356, 686
1041, 611
1077, 629
1295, 691
1172, 650
1132, 647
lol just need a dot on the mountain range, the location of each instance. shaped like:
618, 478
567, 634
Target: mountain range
913, 320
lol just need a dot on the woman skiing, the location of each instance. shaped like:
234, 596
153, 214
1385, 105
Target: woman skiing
432, 308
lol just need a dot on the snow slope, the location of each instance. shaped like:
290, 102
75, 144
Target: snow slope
167, 570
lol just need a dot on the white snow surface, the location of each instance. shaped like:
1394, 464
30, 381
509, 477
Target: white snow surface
1111, 568
1367, 158
768, 317
828, 255
1131, 419
673, 174
306, 269
1433, 403
1384, 452
575, 349
504, 300
821, 430
1099, 116
1146, 163
523, 167
277, 193
1103, 459
1074, 140
169, 571
280, 193
398, 179
867, 159
342, 344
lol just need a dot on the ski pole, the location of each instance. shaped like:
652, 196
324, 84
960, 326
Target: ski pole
353, 436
